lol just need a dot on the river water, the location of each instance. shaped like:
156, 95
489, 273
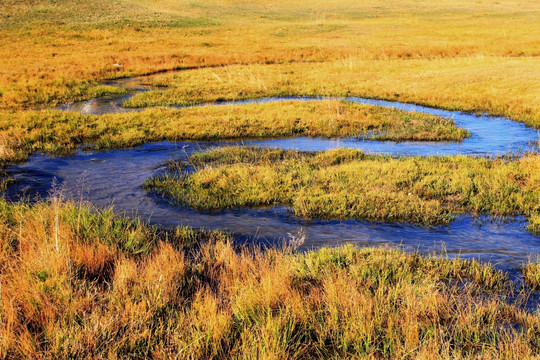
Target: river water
115, 178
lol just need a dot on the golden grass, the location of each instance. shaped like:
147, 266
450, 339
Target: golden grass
344, 184
76, 282
80, 283
466, 55
499, 86
25, 132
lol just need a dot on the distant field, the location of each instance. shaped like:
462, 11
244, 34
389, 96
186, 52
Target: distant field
513, 88
476, 56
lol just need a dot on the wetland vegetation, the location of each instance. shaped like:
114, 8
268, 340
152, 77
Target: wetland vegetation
60, 132
418, 82
78, 282
81, 282
345, 183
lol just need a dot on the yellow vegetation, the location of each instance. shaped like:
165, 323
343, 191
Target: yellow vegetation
76, 282
25, 132
80, 283
466, 55
457, 84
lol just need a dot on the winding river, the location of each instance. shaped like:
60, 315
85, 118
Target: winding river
115, 178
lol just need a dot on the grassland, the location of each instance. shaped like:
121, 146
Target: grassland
474, 56
344, 184
513, 90
444, 55
59, 132
79, 282
82, 283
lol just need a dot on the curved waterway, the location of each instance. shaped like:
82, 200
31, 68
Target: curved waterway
116, 178
489, 135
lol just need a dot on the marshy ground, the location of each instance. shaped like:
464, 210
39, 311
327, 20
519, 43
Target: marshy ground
82, 282
78, 282
345, 183
60, 132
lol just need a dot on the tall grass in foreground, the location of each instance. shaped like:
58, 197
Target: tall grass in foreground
345, 184
80, 283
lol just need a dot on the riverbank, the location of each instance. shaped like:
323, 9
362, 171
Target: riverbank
59, 132
79, 282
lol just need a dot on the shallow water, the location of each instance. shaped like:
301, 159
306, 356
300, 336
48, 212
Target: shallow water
116, 178
489, 135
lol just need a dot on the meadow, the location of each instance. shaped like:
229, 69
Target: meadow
59, 132
479, 56
81, 282
328, 185
512, 91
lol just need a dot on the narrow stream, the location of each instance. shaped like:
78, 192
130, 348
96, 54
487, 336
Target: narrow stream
116, 177
490, 136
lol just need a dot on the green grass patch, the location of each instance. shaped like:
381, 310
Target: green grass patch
345, 184
534, 223
531, 274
